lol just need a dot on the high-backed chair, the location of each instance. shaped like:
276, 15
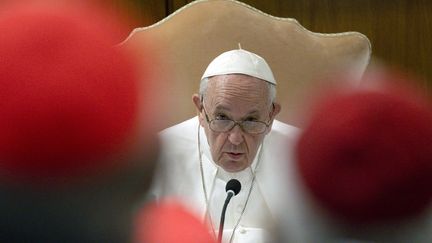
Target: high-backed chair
187, 40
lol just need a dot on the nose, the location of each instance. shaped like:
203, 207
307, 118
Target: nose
235, 136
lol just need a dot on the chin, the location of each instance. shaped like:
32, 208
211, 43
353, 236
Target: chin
234, 166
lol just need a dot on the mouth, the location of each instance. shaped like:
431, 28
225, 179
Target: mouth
235, 156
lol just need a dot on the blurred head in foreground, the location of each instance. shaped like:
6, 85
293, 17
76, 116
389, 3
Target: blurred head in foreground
75, 154
169, 222
366, 157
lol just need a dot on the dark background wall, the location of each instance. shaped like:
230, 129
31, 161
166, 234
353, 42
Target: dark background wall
400, 30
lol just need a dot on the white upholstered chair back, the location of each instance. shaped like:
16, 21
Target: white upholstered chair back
187, 40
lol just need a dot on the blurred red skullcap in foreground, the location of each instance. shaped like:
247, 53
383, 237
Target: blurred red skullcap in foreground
169, 222
366, 155
69, 99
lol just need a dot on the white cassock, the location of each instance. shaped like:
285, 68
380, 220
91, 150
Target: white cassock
277, 195
250, 216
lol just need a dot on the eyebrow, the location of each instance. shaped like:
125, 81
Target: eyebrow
221, 108
226, 109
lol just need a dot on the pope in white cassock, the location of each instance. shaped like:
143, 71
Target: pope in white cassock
234, 136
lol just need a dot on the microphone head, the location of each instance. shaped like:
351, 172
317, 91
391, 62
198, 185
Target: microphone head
233, 185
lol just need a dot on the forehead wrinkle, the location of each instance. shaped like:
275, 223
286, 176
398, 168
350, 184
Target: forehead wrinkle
238, 88
222, 108
237, 96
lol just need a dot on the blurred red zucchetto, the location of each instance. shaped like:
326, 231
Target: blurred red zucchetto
169, 222
68, 98
366, 155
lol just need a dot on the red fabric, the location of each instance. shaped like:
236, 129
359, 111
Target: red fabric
67, 97
170, 222
367, 155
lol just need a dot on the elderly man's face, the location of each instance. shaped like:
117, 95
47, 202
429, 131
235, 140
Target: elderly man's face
240, 98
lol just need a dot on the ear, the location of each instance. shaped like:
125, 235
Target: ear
196, 99
275, 110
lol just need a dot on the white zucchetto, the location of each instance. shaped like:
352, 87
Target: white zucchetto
240, 62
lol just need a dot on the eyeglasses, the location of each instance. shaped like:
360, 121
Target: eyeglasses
226, 124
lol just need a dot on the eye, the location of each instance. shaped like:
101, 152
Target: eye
251, 118
221, 117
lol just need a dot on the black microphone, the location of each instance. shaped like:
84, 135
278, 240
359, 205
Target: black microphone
232, 188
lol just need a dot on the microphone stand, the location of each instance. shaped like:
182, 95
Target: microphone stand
222, 221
